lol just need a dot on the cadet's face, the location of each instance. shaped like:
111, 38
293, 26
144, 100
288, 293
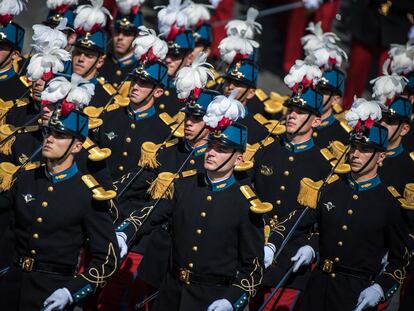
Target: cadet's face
359, 155
229, 86
122, 41
174, 63
193, 125
55, 145
296, 117
37, 88
5, 55
139, 91
83, 61
392, 127
216, 155
47, 110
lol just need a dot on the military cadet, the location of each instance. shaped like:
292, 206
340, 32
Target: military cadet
358, 222
278, 170
208, 272
66, 210
122, 61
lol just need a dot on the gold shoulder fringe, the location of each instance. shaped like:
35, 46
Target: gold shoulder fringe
163, 185
309, 191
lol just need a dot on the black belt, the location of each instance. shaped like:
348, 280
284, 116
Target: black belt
329, 266
30, 264
188, 277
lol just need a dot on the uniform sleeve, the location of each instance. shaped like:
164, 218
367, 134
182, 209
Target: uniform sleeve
250, 268
396, 239
103, 251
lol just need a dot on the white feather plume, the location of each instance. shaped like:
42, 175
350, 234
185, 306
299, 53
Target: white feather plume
303, 72
127, 6
48, 59
224, 107
197, 13
317, 38
329, 55
250, 27
146, 40
77, 91
362, 109
235, 44
12, 7
45, 35
402, 57
172, 14
194, 76
91, 16
53, 4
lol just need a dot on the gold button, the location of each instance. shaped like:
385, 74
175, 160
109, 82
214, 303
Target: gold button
333, 275
283, 188
35, 236
198, 231
355, 197
125, 154
115, 85
192, 161
291, 159
167, 92
209, 198
121, 168
336, 259
203, 214
278, 202
350, 212
128, 139
132, 125
44, 204
39, 220
286, 173
33, 252
162, 106
340, 243
50, 188
314, 134
118, 72
190, 265
195, 248
344, 227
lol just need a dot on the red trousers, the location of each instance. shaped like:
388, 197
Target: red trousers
285, 299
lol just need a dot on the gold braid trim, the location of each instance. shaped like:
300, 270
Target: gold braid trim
250, 285
399, 274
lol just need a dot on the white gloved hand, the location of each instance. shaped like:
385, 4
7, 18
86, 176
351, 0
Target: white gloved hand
58, 300
123, 247
369, 297
269, 253
411, 33
311, 4
303, 257
220, 305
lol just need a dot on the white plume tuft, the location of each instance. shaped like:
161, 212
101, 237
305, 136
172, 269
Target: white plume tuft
402, 57
12, 7
317, 38
236, 44
194, 76
55, 4
91, 17
249, 27
303, 72
329, 56
363, 109
45, 35
224, 107
127, 7
196, 13
149, 46
171, 15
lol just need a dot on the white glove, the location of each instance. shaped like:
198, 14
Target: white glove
411, 33
220, 305
369, 297
303, 257
123, 247
311, 4
58, 300
269, 253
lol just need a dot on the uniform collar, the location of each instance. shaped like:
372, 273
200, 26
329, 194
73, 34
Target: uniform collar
365, 185
94, 80
136, 116
221, 185
306, 145
170, 83
198, 151
124, 62
6, 75
327, 122
64, 175
395, 152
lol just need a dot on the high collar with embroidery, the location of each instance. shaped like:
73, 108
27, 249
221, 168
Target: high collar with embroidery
327, 122
198, 151
136, 116
64, 175
297, 148
221, 185
365, 185
395, 152
124, 62
7, 74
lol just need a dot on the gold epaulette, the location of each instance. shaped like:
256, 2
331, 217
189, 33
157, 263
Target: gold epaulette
274, 127
163, 185
22, 102
98, 192
175, 123
345, 126
332, 153
274, 103
309, 190
124, 89
25, 81
412, 155
95, 152
108, 87
256, 206
337, 108
251, 150
149, 151
7, 170
15, 63
407, 199
217, 80
5, 107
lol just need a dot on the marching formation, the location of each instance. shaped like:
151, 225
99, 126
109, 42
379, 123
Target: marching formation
136, 176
